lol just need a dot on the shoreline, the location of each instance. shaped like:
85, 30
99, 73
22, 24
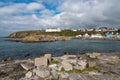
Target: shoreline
33, 41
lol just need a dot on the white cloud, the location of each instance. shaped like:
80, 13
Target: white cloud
72, 14
12, 9
35, 6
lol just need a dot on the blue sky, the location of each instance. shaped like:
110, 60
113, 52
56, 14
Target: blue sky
16, 15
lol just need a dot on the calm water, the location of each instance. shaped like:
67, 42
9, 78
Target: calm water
18, 50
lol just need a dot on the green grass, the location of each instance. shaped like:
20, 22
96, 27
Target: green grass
55, 62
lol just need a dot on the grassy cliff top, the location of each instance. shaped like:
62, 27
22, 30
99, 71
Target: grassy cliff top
22, 34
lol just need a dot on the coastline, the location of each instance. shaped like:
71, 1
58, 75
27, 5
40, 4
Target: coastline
92, 66
59, 39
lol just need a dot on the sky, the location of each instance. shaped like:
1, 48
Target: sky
18, 15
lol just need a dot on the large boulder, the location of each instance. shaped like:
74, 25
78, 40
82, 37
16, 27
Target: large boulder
27, 66
66, 65
42, 61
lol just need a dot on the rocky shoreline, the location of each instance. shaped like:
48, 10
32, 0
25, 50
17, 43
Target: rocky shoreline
41, 38
88, 66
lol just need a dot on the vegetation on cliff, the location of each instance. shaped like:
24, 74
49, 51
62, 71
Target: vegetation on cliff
69, 33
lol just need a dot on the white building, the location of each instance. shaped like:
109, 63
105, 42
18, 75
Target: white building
74, 30
96, 36
53, 30
86, 35
78, 36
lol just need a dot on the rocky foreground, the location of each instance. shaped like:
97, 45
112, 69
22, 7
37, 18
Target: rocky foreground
89, 66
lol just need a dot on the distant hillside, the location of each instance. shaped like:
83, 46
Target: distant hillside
22, 34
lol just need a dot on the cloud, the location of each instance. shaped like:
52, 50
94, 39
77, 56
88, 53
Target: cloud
59, 13
35, 6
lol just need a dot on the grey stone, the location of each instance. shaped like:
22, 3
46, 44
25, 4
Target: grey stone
72, 61
52, 66
49, 57
74, 76
93, 73
64, 75
27, 66
42, 73
55, 75
82, 64
42, 61
93, 55
66, 65
28, 74
92, 63
68, 57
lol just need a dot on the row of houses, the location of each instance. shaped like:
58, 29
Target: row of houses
91, 29
107, 35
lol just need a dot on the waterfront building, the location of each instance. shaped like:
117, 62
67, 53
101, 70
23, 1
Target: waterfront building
97, 36
53, 30
86, 35
78, 36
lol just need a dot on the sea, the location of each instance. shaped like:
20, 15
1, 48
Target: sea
19, 50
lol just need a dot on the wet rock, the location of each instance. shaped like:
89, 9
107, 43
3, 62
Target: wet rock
42, 61
26, 55
66, 65
7, 59
28, 74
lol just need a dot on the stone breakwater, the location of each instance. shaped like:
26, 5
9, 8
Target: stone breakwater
88, 66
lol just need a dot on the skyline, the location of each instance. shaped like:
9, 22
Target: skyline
18, 15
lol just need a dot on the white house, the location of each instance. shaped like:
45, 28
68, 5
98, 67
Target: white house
86, 35
74, 30
53, 30
78, 36
96, 36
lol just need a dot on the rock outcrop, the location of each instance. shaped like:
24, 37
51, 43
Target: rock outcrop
67, 67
